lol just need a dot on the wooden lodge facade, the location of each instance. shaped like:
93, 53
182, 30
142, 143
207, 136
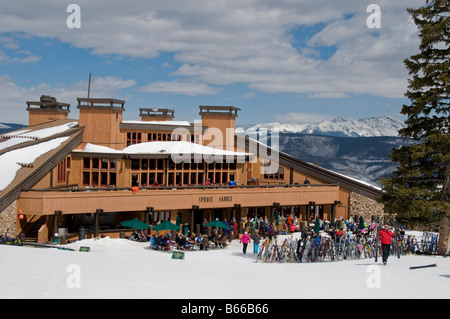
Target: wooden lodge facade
107, 170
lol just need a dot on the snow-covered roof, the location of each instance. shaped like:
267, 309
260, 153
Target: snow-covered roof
25, 135
27, 155
174, 123
9, 162
169, 147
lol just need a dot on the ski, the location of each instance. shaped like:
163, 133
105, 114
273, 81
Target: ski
397, 248
424, 266
307, 248
377, 238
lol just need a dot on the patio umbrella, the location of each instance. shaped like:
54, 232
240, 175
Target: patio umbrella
135, 224
166, 225
217, 223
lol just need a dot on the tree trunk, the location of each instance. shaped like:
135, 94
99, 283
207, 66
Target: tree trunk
444, 230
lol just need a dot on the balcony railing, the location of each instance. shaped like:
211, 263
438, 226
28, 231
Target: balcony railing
75, 188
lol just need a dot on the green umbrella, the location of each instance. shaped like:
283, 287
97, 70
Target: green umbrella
166, 225
135, 224
217, 223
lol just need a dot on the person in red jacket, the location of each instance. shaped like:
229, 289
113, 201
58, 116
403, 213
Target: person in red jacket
245, 239
385, 238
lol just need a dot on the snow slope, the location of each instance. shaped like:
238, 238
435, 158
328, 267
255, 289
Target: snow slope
118, 268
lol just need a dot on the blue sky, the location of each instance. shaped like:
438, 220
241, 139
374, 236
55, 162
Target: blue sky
284, 60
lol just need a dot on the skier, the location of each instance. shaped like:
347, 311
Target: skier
256, 238
245, 239
385, 238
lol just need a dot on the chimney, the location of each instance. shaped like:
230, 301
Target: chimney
221, 124
101, 118
155, 114
46, 110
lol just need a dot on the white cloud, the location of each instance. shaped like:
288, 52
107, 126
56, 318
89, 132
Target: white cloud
13, 97
179, 87
302, 117
8, 43
246, 41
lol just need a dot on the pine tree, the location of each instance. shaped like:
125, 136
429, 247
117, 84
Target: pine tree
418, 192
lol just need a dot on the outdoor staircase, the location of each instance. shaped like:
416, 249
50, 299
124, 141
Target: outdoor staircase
32, 233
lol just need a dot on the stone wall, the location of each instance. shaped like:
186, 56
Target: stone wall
8, 220
365, 207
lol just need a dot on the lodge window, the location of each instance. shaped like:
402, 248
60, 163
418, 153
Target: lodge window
63, 167
273, 173
193, 138
112, 164
86, 163
147, 171
135, 164
159, 216
134, 138
185, 173
104, 163
221, 173
95, 163
99, 171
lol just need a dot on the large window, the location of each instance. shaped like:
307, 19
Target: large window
147, 172
273, 172
185, 174
159, 216
63, 168
221, 173
133, 138
99, 172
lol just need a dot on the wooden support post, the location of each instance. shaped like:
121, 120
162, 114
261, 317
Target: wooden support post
96, 222
191, 224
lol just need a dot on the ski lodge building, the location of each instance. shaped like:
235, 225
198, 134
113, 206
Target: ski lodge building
94, 172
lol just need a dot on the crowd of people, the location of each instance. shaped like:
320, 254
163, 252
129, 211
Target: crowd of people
254, 229
164, 241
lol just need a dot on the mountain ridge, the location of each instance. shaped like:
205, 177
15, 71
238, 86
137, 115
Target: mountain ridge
368, 127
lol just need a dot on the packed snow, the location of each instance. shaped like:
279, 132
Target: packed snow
120, 268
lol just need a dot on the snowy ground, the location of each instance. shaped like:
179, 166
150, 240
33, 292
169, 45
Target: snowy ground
118, 268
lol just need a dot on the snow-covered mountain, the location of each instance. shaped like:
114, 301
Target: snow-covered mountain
369, 127
356, 148
7, 127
